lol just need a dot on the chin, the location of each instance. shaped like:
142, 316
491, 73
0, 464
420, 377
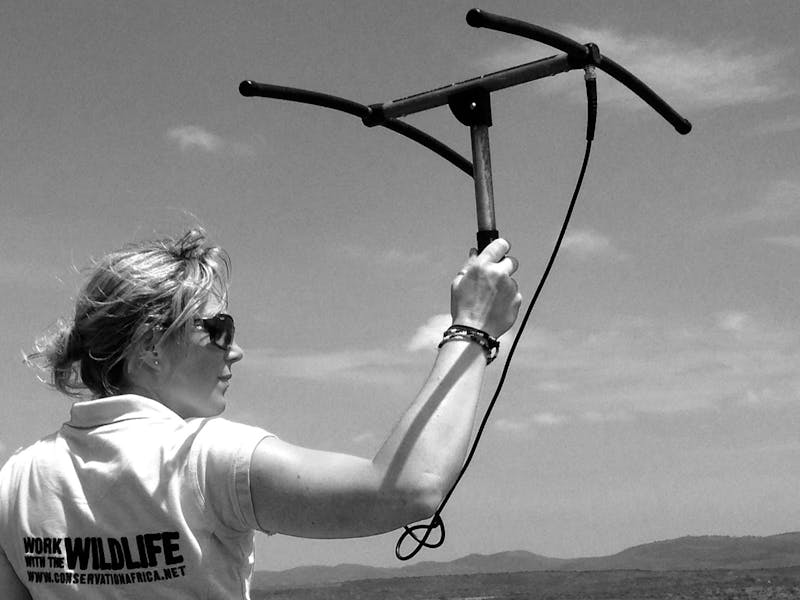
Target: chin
218, 406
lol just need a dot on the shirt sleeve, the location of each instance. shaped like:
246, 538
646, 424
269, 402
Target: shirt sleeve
224, 451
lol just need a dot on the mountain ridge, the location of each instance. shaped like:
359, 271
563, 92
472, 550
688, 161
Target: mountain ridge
698, 552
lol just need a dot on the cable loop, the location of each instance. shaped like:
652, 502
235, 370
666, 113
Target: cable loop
436, 523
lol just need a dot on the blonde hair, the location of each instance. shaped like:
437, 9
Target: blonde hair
146, 287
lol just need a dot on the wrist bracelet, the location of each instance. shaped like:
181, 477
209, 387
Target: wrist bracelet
489, 344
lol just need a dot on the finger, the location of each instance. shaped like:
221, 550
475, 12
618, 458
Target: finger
460, 275
517, 302
495, 251
510, 264
473, 252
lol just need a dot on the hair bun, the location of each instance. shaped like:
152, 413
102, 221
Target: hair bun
193, 245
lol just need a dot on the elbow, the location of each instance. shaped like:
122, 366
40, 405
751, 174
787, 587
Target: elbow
393, 507
422, 499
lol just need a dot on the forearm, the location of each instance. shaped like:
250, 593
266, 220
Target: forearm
425, 451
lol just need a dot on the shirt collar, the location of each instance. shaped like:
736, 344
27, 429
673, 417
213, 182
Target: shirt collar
92, 413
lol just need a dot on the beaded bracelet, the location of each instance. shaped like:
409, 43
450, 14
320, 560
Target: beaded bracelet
489, 344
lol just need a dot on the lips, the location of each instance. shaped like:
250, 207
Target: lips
225, 378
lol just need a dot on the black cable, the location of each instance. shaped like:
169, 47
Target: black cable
436, 522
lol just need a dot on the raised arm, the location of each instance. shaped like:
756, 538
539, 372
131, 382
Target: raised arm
309, 493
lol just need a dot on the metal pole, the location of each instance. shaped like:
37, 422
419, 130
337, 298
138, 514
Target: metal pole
484, 193
473, 108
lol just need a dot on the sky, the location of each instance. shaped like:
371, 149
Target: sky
655, 392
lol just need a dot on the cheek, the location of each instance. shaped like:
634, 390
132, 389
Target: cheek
205, 370
196, 371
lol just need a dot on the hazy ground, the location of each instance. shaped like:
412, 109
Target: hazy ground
760, 584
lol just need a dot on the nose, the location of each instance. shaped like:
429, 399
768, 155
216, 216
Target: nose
235, 353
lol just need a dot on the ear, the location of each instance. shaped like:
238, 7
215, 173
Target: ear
149, 358
144, 359
148, 352
142, 367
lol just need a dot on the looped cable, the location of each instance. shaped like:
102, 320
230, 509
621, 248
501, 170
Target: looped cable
436, 523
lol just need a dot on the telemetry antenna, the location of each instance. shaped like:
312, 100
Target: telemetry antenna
470, 103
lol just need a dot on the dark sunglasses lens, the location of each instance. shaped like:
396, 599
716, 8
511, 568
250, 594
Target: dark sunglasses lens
220, 329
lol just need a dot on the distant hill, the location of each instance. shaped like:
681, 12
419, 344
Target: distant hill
702, 552
686, 553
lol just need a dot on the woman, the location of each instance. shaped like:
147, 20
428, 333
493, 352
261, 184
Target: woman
146, 492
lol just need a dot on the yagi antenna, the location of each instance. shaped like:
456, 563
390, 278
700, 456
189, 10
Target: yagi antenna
470, 103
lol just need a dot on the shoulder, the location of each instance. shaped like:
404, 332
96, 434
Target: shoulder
222, 452
15, 474
222, 445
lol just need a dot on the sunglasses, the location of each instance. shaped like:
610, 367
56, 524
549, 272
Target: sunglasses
220, 329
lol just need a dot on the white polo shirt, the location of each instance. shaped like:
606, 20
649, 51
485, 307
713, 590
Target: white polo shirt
129, 500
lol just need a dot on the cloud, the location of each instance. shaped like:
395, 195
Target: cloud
429, 335
192, 137
653, 366
552, 387
787, 124
719, 73
518, 426
733, 321
510, 426
585, 244
548, 419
